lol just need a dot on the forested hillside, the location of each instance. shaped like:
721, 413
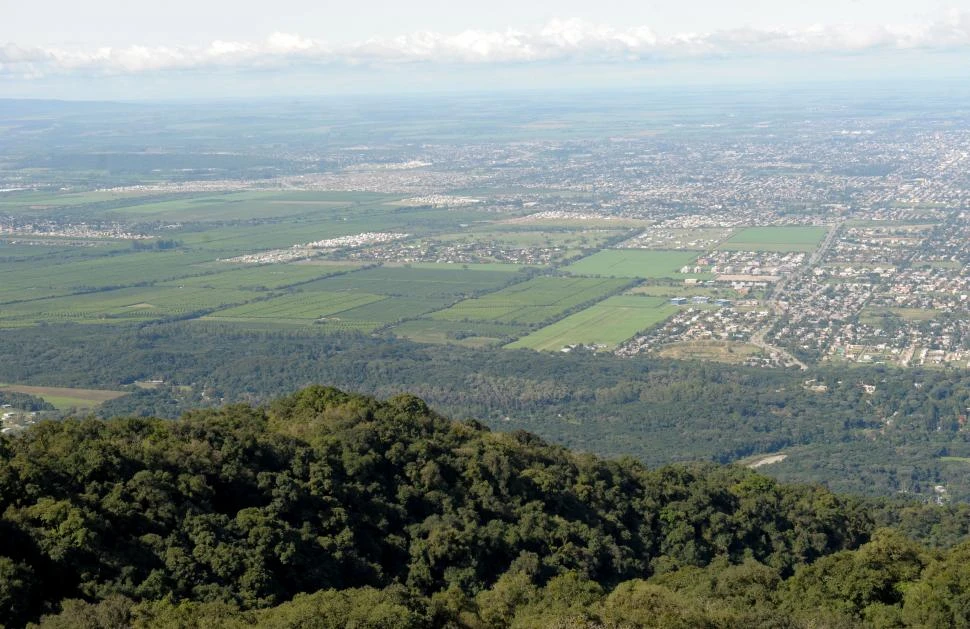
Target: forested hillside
875, 431
330, 509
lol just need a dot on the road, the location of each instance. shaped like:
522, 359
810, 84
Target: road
778, 291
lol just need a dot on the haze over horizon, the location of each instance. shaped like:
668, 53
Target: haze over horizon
110, 50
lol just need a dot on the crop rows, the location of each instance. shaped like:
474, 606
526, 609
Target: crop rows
305, 306
531, 302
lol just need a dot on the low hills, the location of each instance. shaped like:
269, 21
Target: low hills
328, 509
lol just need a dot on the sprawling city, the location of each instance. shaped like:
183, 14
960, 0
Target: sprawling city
504, 315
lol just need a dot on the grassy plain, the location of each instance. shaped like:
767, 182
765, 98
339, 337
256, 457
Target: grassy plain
643, 263
874, 315
607, 323
65, 398
123, 304
532, 302
301, 307
782, 239
28, 280
547, 238
719, 351
418, 281
467, 333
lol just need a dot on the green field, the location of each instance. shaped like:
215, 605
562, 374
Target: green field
634, 263
874, 315
30, 280
607, 323
64, 398
532, 302
532, 238
302, 308
124, 304
781, 239
468, 333
247, 205
504, 267
418, 282
263, 277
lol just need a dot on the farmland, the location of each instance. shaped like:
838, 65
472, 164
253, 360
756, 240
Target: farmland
532, 302
299, 308
604, 324
633, 263
468, 333
781, 239
139, 303
424, 282
66, 398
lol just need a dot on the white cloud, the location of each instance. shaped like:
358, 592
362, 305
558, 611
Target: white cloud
559, 40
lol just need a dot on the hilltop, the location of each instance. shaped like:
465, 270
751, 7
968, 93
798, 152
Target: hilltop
330, 509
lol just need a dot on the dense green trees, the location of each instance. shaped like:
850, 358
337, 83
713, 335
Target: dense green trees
338, 508
904, 433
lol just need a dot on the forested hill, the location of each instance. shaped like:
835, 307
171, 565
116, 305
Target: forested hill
325, 509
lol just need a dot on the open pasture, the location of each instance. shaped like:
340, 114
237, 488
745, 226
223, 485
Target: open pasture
28, 280
418, 282
393, 309
263, 277
64, 398
783, 239
607, 323
125, 304
698, 239
591, 222
532, 302
633, 263
678, 289
32, 202
467, 333
239, 206
718, 351
231, 240
299, 308
532, 239
504, 267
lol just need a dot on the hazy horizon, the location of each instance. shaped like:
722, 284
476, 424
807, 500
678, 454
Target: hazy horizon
104, 50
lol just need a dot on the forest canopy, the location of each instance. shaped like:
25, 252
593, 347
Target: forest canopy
325, 509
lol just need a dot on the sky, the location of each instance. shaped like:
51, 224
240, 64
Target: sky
181, 49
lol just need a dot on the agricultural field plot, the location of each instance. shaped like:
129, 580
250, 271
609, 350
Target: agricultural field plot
239, 206
532, 302
301, 309
53, 252
700, 239
587, 222
875, 315
466, 333
669, 290
718, 351
782, 239
605, 324
641, 263
264, 277
231, 240
34, 202
394, 309
417, 282
520, 238
503, 267
64, 398
125, 304
28, 280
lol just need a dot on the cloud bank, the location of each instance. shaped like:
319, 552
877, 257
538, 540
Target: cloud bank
559, 40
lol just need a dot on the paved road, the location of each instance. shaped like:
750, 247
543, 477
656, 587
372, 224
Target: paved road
778, 291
